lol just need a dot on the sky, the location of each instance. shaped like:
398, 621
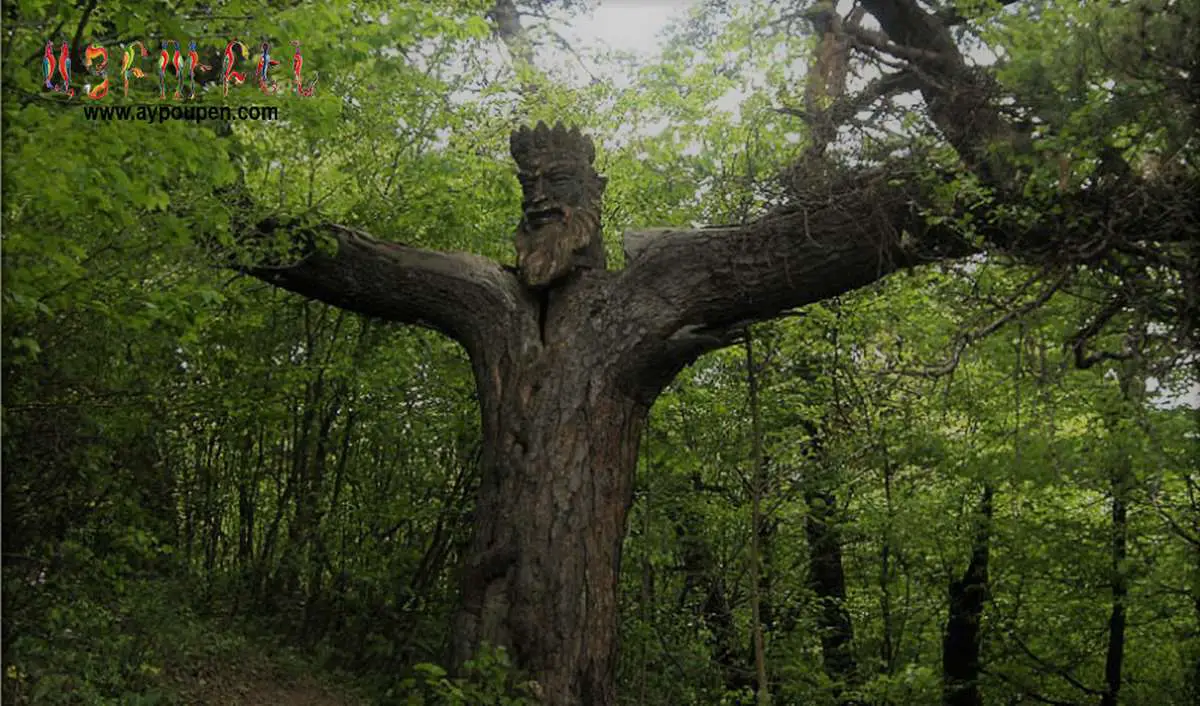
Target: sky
631, 25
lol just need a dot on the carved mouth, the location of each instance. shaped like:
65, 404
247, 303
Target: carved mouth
545, 216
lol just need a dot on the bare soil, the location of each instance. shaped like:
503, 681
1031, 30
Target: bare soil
257, 683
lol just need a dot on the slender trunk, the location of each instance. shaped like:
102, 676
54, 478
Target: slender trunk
827, 579
827, 575
646, 598
1115, 653
961, 643
284, 487
757, 483
1194, 674
887, 650
308, 466
316, 611
701, 570
248, 514
212, 517
1120, 481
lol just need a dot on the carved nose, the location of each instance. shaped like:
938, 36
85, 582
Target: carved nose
536, 199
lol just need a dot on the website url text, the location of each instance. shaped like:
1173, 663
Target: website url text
195, 113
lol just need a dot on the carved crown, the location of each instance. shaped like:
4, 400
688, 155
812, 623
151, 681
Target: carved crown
530, 145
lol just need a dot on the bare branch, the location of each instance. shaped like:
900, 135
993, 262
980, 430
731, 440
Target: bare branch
847, 107
1054, 669
970, 337
1085, 360
1026, 690
879, 41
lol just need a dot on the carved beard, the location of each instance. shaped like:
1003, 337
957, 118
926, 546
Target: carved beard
544, 251
549, 238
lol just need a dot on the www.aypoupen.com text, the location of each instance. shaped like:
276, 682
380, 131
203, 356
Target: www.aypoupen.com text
56, 70
196, 113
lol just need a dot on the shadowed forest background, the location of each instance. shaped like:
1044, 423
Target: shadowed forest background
216, 491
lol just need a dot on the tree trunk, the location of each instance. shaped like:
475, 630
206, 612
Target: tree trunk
1121, 479
827, 579
701, 570
762, 691
1115, 653
560, 449
960, 644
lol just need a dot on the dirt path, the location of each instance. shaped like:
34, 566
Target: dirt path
257, 683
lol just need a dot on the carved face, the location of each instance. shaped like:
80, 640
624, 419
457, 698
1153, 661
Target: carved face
551, 193
560, 205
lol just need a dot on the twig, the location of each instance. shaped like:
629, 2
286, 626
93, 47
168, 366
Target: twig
967, 339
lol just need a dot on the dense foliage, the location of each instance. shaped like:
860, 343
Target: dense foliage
190, 455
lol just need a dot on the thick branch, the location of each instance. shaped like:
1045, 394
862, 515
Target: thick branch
958, 96
467, 297
507, 26
689, 289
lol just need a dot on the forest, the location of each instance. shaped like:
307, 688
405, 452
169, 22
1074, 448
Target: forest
442, 353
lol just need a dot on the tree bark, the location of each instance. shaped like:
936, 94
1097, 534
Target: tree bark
827, 574
827, 579
758, 487
560, 447
1115, 653
1121, 479
961, 643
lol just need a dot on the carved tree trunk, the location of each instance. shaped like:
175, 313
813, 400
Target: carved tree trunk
566, 373
560, 450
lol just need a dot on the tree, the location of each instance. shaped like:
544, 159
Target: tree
568, 355
1032, 161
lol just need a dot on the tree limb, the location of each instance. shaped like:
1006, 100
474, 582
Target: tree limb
685, 281
958, 96
846, 107
1085, 360
1011, 314
465, 296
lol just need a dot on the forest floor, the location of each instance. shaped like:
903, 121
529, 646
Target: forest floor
255, 680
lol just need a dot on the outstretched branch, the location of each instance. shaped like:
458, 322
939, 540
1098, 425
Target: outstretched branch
690, 290
467, 297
